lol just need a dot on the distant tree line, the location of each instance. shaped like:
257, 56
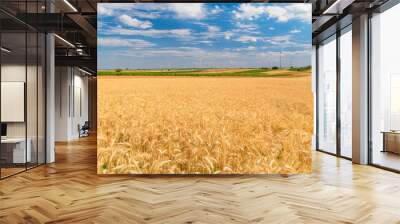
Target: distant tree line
299, 69
291, 68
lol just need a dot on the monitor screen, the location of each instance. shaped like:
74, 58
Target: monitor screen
3, 129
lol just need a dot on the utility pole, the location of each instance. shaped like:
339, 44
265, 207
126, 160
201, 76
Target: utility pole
280, 59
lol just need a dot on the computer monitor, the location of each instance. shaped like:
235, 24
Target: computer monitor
3, 130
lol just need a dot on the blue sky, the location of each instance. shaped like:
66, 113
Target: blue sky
203, 35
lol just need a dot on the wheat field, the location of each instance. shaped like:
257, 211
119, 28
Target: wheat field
204, 125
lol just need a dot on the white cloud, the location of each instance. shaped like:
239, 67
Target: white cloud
247, 39
181, 53
249, 48
200, 58
228, 35
295, 31
216, 10
155, 10
247, 26
127, 20
188, 10
277, 12
284, 13
300, 11
249, 11
283, 40
208, 42
189, 48
116, 6
101, 10
255, 49
152, 32
213, 28
293, 11
210, 28
212, 31
145, 15
114, 42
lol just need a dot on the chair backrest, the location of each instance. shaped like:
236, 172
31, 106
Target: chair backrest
86, 124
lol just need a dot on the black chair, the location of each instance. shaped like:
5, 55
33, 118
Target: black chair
84, 130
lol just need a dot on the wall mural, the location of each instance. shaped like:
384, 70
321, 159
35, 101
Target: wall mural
204, 88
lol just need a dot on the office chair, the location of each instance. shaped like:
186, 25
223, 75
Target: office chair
84, 130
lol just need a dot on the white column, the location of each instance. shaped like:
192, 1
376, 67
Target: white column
50, 99
360, 90
63, 100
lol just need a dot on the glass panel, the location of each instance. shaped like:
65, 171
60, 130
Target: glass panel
385, 89
23, 90
13, 86
327, 96
31, 97
41, 99
346, 92
32, 90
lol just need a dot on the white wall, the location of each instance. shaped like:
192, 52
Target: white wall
33, 126
62, 81
80, 84
70, 83
13, 101
14, 72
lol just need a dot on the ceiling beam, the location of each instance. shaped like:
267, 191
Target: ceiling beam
337, 7
83, 23
78, 61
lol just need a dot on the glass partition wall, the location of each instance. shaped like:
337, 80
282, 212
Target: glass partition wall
22, 78
385, 90
327, 95
334, 95
334, 104
345, 91
13, 86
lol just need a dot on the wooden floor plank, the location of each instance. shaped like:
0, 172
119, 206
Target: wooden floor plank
70, 191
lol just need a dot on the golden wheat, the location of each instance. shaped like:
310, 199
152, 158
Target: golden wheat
172, 125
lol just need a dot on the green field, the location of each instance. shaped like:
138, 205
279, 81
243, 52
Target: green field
257, 72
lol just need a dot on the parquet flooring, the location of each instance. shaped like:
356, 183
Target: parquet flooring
70, 191
10, 171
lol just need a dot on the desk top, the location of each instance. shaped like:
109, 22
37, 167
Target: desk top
391, 132
13, 140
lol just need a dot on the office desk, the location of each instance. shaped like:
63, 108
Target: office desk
13, 150
391, 141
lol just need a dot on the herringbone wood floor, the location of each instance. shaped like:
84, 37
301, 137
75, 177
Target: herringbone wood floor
69, 191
